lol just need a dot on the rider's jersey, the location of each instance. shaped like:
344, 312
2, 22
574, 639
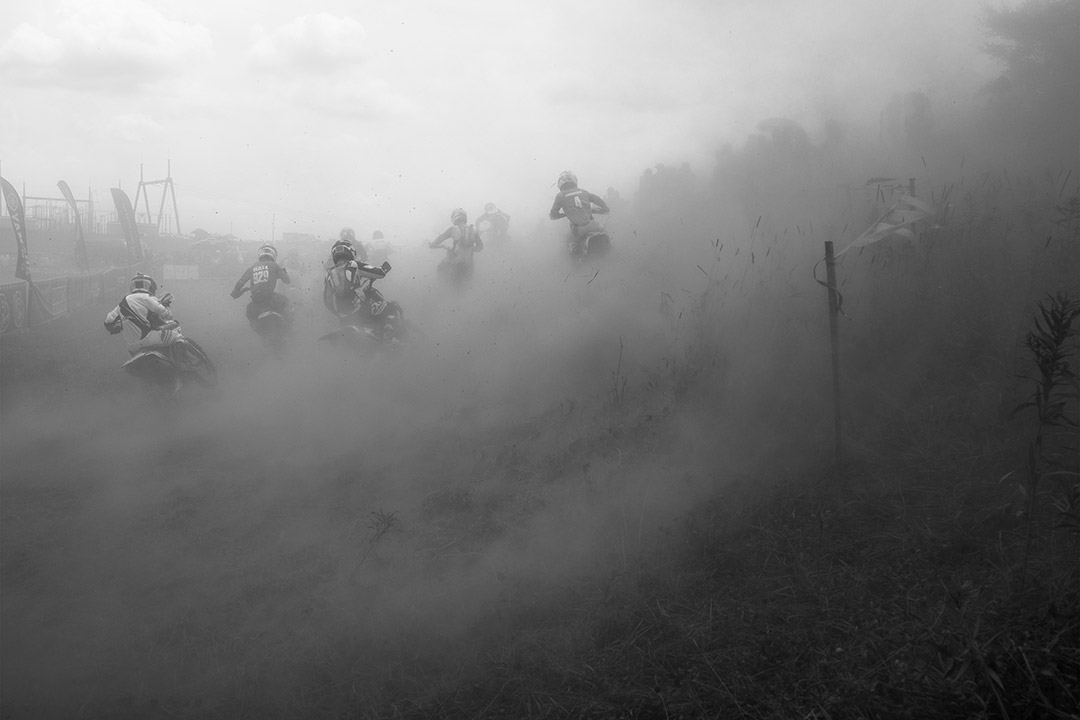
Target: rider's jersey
499, 222
140, 317
576, 205
342, 281
466, 240
263, 276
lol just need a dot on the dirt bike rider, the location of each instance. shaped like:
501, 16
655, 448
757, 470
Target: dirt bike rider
348, 235
143, 318
263, 276
378, 249
466, 241
498, 222
347, 288
576, 205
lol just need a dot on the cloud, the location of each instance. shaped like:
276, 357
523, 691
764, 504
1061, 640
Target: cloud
133, 128
111, 45
353, 98
614, 97
311, 44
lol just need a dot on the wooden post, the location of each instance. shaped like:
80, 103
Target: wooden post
834, 338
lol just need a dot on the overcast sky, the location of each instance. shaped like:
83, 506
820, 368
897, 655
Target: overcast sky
388, 114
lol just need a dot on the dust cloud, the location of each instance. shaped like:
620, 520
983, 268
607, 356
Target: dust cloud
321, 518
324, 498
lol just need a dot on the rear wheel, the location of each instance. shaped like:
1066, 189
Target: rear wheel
195, 363
597, 244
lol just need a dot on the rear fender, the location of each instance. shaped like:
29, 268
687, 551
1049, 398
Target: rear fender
151, 363
270, 321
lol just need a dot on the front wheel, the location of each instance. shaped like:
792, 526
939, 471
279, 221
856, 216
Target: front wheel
195, 363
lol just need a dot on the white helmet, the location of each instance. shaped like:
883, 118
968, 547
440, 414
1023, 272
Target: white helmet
143, 283
567, 178
268, 252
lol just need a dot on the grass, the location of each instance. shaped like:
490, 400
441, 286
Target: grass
805, 602
910, 588
899, 592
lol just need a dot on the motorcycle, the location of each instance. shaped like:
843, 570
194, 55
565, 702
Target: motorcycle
168, 369
456, 269
594, 245
272, 326
375, 323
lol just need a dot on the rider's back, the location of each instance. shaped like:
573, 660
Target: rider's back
576, 205
137, 315
466, 238
264, 277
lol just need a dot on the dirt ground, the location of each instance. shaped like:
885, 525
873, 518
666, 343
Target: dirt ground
231, 553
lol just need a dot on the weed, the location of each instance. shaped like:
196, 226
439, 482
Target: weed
618, 381
380, 524
1052, 452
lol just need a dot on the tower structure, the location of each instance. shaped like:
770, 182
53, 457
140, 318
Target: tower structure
168, 189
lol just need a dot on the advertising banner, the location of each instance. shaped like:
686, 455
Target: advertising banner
80, 240
78, 291
12, 307
126, 215
18, 221
49, 299
180, 272
24, 303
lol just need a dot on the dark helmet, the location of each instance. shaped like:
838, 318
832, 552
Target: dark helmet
143, 283
490, 208
342, 251
347, 235
458, 215
377, 235
567, 178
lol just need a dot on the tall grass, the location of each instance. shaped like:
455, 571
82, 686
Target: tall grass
1053, 453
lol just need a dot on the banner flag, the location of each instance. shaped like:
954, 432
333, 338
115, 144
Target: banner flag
126, 214
13, 304
18, 221
80, 240
896, 221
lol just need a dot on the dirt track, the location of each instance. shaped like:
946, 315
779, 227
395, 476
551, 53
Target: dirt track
232, 554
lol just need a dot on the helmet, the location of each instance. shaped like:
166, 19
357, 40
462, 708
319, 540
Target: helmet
490, 208
347, 234
458, 215
143, 283
268, 252
567, 178
342, 250
377, 235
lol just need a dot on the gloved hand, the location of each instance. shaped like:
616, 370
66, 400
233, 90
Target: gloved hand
235, 294
385, 266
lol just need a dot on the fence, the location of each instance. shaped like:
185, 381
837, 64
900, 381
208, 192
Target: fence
26, 304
